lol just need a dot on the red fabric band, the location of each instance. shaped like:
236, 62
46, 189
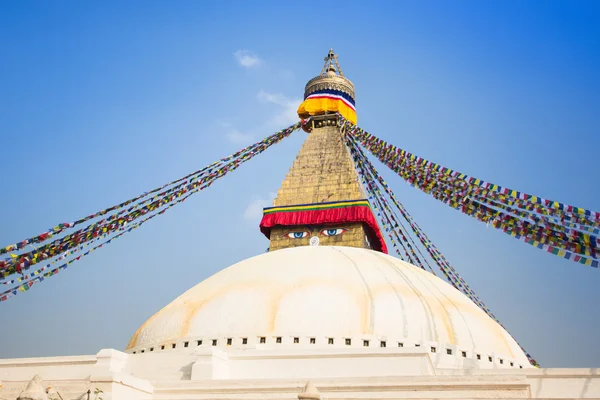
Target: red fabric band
330, 216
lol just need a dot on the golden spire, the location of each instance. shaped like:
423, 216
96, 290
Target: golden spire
329, 92
330, 60
321, 201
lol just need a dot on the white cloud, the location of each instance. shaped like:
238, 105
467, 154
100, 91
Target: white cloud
254, 211
234, 135
247, 59
272, 98
282, 113
286, 114
237, 137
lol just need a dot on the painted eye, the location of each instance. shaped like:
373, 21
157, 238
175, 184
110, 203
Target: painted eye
333, 231
297, 235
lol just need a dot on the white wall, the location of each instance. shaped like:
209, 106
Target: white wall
276, 374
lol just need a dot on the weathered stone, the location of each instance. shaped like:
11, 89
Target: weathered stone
34, 391
309, 392
322, 172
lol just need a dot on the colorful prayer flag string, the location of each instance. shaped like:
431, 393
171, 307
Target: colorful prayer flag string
431, 175
117, 222
563, 230
372, 183
67, 225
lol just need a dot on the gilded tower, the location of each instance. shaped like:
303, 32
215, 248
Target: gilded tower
321, 201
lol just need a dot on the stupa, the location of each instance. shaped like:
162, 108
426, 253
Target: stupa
326, 313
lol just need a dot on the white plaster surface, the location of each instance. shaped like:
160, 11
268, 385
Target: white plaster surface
329, 292
274, 374
317, 308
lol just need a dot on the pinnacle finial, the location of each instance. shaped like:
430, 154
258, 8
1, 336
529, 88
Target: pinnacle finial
310, 392
331, 64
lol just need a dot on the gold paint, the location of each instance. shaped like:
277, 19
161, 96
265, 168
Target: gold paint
134, 339
467, 307
431, 302
445, 317
194, 306
217, 286
354, 237
357, 295
275, 294
322, 172
499, 334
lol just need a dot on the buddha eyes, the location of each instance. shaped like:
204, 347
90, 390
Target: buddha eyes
297, 235
323, 232
333, 231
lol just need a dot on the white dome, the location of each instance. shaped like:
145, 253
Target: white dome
327, 294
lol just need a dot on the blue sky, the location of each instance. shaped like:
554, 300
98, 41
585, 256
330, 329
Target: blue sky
103, 101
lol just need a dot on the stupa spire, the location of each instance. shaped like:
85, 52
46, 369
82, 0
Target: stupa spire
321, 201
330, 60
329, 92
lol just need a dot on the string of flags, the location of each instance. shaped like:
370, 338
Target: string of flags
66, 225
375, 180
561, 229
117, 221
45, 272
566, 231
378, 189
396, 228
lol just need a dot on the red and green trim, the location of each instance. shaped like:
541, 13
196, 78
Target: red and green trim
330, 213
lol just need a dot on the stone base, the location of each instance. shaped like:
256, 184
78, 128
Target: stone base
212, 373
